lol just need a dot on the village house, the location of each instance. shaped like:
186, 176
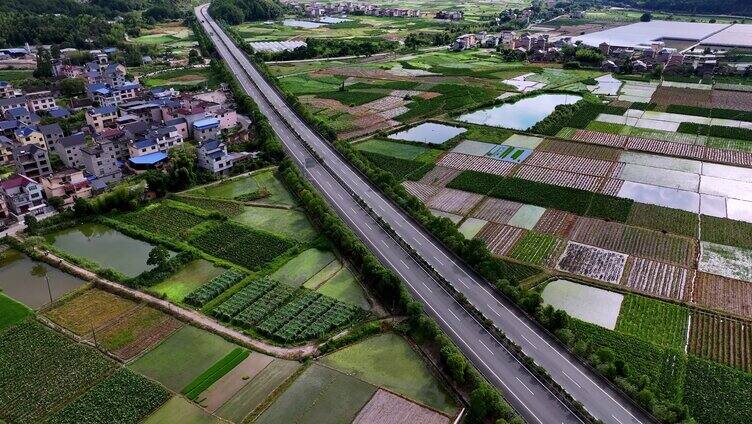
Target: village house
68, 185
22, 196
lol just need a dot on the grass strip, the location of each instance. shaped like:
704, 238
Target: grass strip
215, 372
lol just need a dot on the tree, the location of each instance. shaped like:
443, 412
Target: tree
646, 17
158, 256
44, 64
56, 202
133, 57
72, 86
183, 163
485, 402
157, 181
32, 224
194, 58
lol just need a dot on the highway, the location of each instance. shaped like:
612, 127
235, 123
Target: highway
336, 180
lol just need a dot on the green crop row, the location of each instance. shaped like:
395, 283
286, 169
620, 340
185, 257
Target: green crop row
213, 288
162, 219
350, 97
257, 311
710, 113
659, 218
534, 247
716, 131
124, 398
577, 115
717, 394
241, 245
40, 369
225, 207
580, 202
726, 231
215, 372
402, 169
242, 299
661, 323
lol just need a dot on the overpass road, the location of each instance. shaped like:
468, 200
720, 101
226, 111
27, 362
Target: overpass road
339, 183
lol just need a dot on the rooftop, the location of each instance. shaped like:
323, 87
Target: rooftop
206, 123
150, 159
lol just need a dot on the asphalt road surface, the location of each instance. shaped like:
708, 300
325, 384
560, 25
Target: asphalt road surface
337, 180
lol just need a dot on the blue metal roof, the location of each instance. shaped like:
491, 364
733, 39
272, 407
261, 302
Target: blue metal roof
104, 110
18, 111
59, 112
205, 123
142, 144
150, 159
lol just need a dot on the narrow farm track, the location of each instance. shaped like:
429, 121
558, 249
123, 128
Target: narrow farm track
342, 187
190, 316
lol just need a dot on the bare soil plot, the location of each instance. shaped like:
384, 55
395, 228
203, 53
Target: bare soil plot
576, 164
454, 201
475, 148
634, 241
439, 176
579, 149
683, 96
476, 163
728, 156
724, 294
227, 386
665, 147
420, 190
496, 210
721, 339
592, 262
611, 187
659, 279
556, 222
499, 237
388, 408
90, 310
137, 333
559, 178
259, 388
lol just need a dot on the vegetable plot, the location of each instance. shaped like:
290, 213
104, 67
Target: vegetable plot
592, 262
721, 339
216, 286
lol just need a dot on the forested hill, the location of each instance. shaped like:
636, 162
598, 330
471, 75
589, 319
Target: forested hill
720, 7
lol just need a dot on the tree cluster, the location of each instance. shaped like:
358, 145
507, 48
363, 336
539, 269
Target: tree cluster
235, 12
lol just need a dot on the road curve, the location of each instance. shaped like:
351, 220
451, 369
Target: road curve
523, 390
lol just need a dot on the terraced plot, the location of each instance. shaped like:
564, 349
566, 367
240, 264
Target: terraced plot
721, 339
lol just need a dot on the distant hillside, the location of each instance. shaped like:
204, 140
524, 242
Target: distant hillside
720, 7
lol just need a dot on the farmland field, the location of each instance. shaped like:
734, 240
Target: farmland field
289, 223
664, 219
534, 248
243, 185
190, 277
320, 394
721, 339
180, 410
136, 333
20, 284
11, 312
500, 238
123, 398
344, 287
225, 207
590, 304
366, 361
226, 387
717, 394
659, 279
721, 293
665, 368
661, 323
162, 219
182, 357
592, 262
259, 387
399, 150
90, 310
386, 407
42, 371
304, 266
726, 261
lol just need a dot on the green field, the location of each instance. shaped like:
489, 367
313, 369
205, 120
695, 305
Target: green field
319, 395
290, 223
11, 312
182, 411
304, 266
182, 78
189, 278
15, 75
400, 150
661, 323
260, 386
368, 360
534, 247
182, 357
344, 286
214, 373
717, 394
243, 185
162, 219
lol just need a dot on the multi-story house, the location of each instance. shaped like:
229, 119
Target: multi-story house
9, 103
106, 95
100, 118
205, 129
6, 150
31, 161
6, 90
40, 100
22, 195
180, 124
23, 115
212, 156
100, 161
69, 185
228, 118
51, 133
159, 140
28, 135
69, 150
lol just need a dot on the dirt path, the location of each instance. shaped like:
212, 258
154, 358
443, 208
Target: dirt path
187, 315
